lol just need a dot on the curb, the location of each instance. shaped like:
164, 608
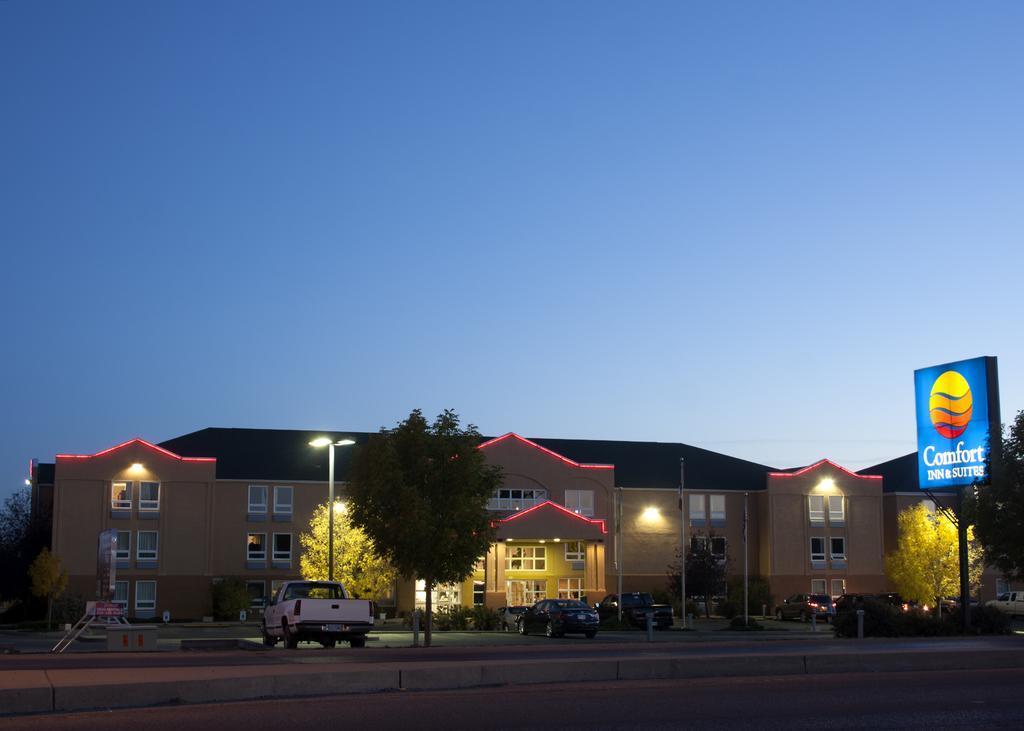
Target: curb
37, 691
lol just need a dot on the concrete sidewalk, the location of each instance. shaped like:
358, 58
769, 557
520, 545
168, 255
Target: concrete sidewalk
60, 686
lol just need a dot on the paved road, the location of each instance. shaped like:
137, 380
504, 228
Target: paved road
934, 700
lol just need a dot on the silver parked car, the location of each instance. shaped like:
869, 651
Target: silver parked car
509, 616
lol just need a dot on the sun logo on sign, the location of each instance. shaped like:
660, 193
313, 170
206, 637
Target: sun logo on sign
951, 404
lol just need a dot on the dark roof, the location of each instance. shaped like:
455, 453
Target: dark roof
285, 454
44, 473
898, 475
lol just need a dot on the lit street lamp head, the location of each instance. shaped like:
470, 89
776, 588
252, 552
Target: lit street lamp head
327, 441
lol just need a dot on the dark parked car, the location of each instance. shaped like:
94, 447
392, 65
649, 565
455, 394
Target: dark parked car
556, 617
508, 617
635, 607
804, 606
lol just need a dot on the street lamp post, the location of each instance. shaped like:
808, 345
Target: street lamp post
328, 442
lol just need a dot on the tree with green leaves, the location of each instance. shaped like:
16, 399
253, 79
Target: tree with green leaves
420, 493
926, 566
357, 563
49, 580
706, 570
997, 509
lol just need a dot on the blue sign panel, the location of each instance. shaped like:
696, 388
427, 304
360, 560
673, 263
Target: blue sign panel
956, 406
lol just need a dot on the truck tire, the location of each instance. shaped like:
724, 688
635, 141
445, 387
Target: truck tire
328, 644
590, 634
522, 627
290, 640
357, 642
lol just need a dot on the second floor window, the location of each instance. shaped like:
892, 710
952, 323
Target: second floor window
121, 496
282, 500
149, 496
257, 498
716, 544
256, 547
124, 545
146, 546
525, 558
574, 550
817, 549
580, 501
838, 549
282, 546
514, 498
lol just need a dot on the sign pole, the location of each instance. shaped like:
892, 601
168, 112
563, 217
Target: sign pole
682, 545
965, 578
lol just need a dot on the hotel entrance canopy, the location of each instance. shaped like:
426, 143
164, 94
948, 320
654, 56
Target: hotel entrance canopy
549, 520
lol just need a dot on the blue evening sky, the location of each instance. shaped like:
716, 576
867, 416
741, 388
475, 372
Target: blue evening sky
737, 225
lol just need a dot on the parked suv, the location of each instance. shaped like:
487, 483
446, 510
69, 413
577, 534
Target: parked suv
804, 606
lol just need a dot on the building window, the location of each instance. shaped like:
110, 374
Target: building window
570, 588
146, 547
717, 510
838, 549
717, 545
1002, 586
149, 496
580, 501
481, 565
525, 592
838, 587
698, 516
257, 594
836, 510
816, 509
282, 547
574, 550
256, 547
443, 596
257, 498
282, 500
124, 546
121, 594
817, 586
817, 550
478, 593
121, 496
145, 595
525, 558
508, 498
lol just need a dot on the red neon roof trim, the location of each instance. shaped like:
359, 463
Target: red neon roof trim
556, 455
808, 468
144, 443
599, 522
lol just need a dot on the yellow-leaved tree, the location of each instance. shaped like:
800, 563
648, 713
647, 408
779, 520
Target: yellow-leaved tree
357, 564
48, 579
925, 566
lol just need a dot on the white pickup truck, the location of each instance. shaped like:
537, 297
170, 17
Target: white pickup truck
316, 611
1010, 602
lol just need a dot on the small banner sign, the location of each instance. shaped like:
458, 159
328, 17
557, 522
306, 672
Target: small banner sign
103, 609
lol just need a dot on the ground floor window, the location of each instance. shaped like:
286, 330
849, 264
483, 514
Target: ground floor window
257, 594
525, 591
145, 595
838, 587
817, 586
570, 588
442, 597
574, 550
478, 593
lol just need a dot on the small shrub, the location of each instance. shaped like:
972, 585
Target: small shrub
484, 619
449, 619
730, 609
880, 620
229, 597
68, 609
984, 621
759, 595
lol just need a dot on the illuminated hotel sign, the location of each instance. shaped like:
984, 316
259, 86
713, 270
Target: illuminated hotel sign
957, 411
